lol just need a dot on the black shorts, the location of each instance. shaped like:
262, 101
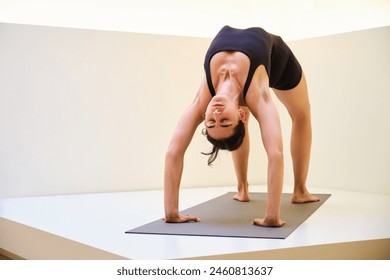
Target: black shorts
262, 48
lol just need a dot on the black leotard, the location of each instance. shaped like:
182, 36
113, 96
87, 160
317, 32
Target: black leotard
262, 48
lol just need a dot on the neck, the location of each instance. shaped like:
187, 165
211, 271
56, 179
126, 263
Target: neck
229, 87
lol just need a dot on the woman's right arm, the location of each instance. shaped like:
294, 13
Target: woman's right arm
174, 158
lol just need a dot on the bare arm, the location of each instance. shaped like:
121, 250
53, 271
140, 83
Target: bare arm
264, 110
174, 159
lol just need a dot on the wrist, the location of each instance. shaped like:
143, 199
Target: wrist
172, 215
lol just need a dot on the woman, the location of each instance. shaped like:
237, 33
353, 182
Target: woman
241, 66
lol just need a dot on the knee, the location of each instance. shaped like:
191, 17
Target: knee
302, 115
276, 155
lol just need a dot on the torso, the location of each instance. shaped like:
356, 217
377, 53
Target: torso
237, 64
250, 50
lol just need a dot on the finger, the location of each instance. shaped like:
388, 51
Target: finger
264, 223
192, 219
258, 222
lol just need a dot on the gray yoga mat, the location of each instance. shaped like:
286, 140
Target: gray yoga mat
225, 217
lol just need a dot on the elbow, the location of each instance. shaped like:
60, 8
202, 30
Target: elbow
173, 154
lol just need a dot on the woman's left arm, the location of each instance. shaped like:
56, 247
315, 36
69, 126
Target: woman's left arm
260, 103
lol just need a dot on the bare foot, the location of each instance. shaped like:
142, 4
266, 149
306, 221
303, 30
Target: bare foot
267, 222
241, 197
242, 194
305, 197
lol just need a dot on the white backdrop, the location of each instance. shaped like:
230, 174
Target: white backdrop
293, 20
93, 111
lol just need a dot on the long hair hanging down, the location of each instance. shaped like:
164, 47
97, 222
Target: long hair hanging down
230, 144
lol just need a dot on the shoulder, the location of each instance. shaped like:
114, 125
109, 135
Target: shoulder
259, 84
203, 96
259, 90
202, 99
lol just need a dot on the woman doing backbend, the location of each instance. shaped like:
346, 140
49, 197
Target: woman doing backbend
241, 65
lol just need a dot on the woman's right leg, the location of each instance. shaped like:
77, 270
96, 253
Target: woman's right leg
297, 103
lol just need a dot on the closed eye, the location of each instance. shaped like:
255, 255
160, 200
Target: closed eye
226, 125
223, 123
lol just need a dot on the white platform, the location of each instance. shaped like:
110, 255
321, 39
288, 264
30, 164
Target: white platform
349, 225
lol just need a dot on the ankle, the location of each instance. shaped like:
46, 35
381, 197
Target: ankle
243, 187
300, 188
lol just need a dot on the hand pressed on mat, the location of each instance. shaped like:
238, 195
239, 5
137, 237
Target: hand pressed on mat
181, 219
266, 222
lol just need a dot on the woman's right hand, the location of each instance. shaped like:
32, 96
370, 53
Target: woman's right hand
180, 219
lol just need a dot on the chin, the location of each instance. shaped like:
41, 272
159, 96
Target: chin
219, 98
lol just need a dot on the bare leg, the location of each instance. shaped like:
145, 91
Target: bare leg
297, 103
240, 160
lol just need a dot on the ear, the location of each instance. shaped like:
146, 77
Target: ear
242, 114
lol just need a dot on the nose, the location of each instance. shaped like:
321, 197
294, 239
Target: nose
217, 112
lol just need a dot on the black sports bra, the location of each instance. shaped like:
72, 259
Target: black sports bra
262, 48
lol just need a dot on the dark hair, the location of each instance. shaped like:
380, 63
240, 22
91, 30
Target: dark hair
231, 143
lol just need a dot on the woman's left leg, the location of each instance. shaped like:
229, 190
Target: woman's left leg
297, 103
240, 161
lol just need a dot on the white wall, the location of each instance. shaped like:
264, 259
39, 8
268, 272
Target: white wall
348, 79
91, 111
293, 20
